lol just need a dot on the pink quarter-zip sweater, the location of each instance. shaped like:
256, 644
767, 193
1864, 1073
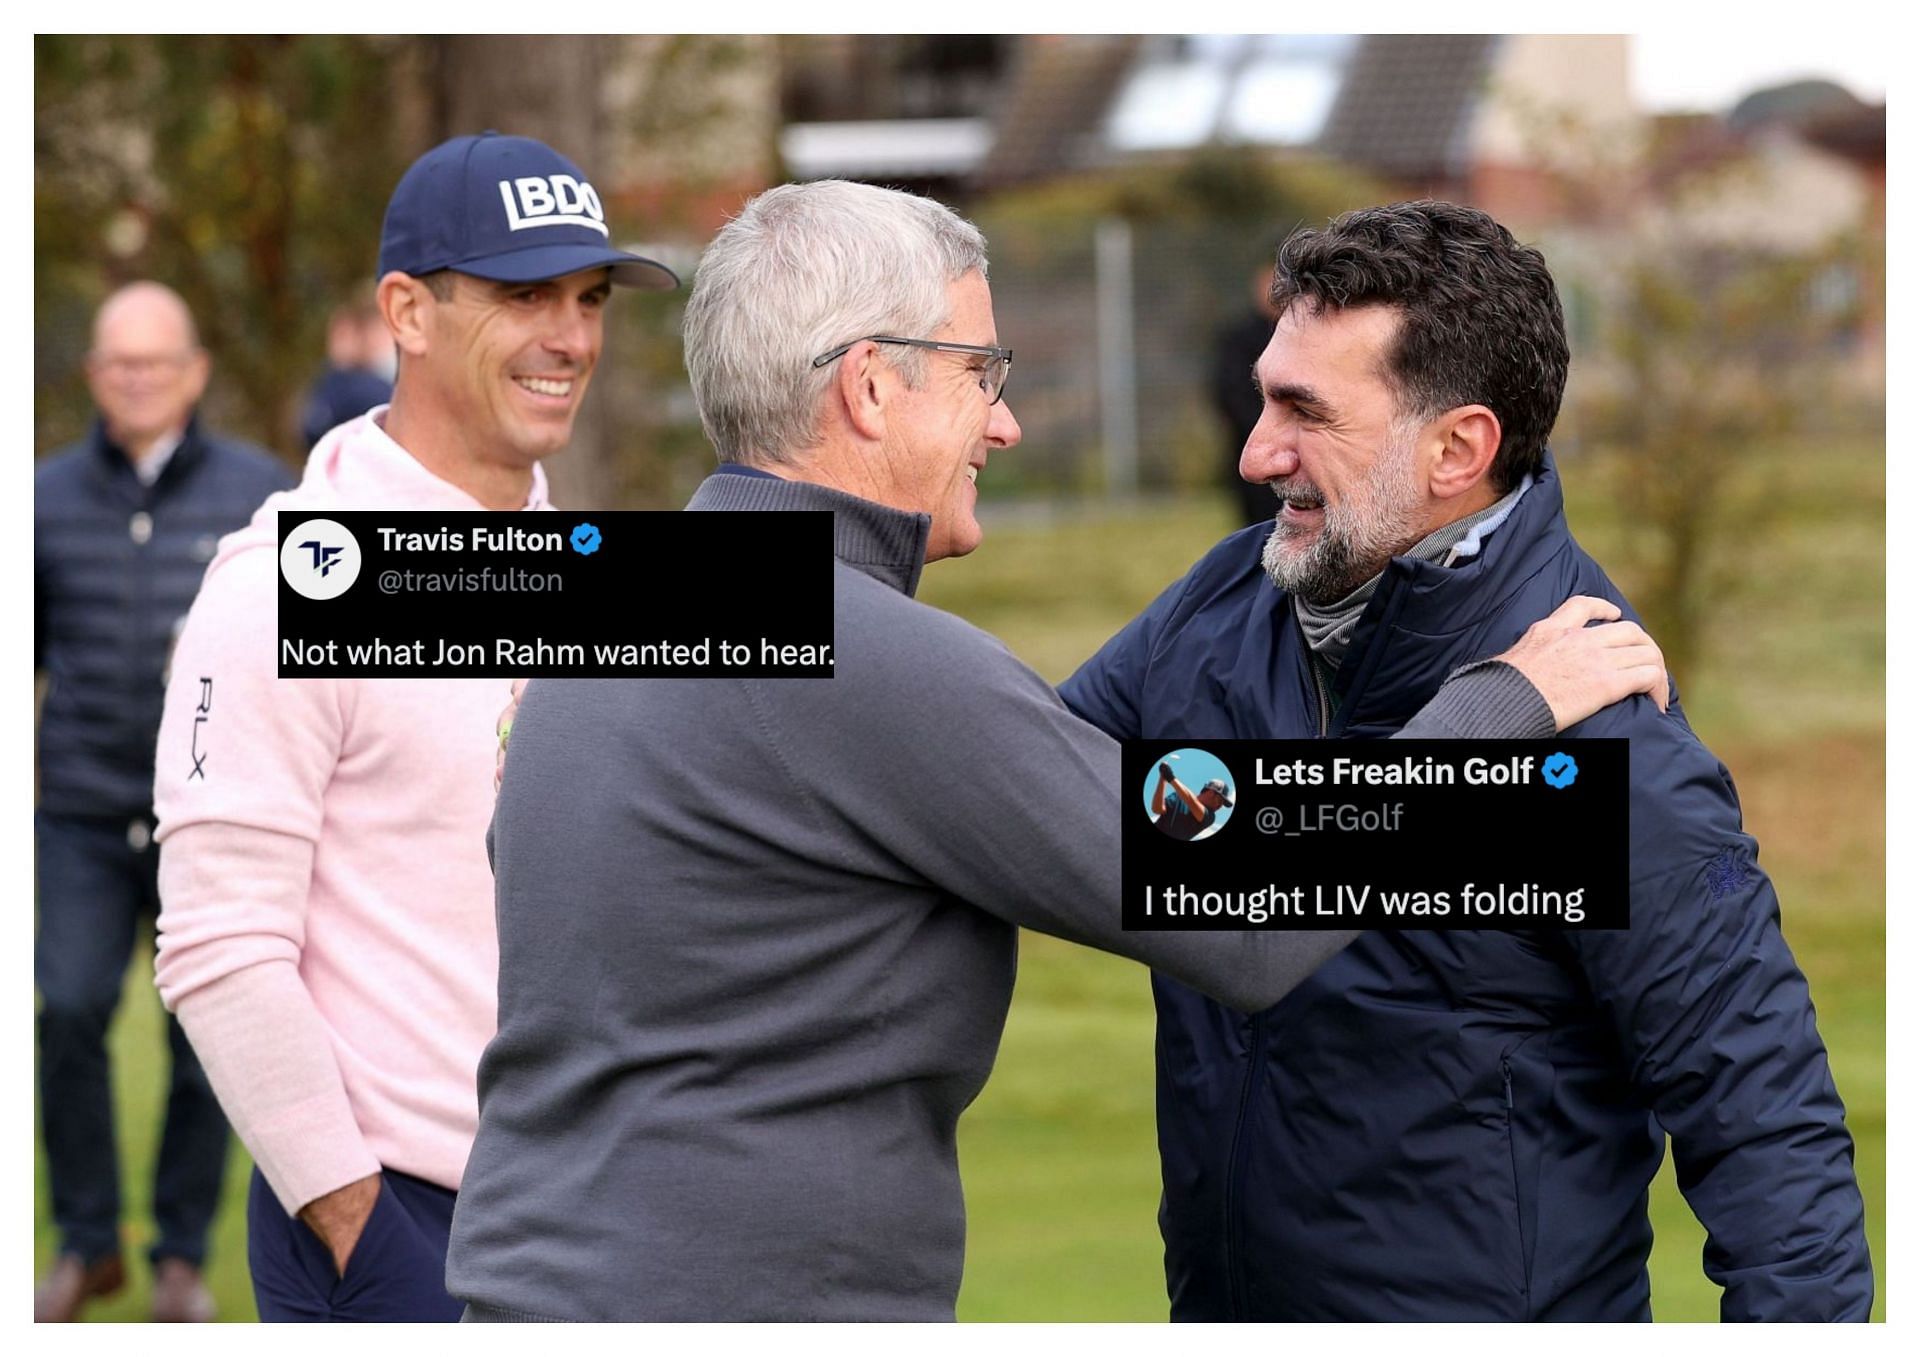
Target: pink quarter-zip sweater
326, 930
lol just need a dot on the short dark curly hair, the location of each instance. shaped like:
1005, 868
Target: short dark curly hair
1480, 320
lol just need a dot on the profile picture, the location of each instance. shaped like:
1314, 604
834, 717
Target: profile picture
1189, 794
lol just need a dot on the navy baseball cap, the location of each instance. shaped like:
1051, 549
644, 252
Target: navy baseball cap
511, 209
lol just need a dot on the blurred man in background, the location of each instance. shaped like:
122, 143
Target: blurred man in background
124, 525
327, 935
1237, 346
360, 367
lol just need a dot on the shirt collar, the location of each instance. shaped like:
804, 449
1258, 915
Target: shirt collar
735, 469
153, 461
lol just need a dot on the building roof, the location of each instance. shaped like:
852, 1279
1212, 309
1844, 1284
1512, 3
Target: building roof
1795, 103
1406, 107
1056, 96
1858, 134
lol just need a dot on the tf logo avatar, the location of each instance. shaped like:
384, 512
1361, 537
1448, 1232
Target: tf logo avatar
320, 559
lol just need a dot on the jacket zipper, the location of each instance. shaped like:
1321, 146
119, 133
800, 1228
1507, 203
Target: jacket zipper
1506, 1080
1256, 1051
1236, 1280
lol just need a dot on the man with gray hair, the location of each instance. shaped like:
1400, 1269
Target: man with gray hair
739, 1024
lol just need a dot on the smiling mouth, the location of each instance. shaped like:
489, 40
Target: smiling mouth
1300, 499
546, 386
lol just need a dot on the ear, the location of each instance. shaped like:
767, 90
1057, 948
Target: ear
199, 369
1468, 437
406, 304
864, 383
96, 378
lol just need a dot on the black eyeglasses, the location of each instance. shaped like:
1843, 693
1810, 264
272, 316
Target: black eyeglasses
993, 376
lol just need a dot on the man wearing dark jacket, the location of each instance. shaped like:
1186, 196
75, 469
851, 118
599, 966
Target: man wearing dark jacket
124, 524
1463, 1125
1237, 346
360, 369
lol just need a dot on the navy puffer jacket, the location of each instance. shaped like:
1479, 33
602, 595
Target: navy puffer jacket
115, 566
1463, 1125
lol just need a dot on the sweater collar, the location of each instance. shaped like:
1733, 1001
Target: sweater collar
1439, 598
1446, 611
1330, 626
888, 544
358, 465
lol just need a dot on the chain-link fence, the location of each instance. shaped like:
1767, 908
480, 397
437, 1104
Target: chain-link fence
1114, 328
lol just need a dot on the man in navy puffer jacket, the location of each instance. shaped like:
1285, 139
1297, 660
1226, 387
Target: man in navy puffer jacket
124, 524
1463, 1125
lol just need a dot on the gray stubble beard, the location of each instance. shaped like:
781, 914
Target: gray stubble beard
1356, 539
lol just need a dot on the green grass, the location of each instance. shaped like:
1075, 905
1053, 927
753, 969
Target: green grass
1058, 1154
138, 1043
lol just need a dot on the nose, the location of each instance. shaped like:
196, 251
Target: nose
1269, 454
1003, 430
575, 334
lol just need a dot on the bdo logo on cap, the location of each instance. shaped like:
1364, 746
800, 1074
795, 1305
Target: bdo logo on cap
552, 200
320, 559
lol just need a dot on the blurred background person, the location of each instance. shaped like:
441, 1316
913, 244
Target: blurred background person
1237, 346
360, 369
124, 524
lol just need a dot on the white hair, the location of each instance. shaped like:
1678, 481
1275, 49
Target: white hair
802, 270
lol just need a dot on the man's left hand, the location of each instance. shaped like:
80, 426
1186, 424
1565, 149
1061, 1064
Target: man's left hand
1579, 668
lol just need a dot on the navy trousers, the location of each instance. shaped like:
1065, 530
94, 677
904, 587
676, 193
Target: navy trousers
97, 881
396, 1274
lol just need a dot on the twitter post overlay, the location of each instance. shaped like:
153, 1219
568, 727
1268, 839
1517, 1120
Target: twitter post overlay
632, 594
1387, 834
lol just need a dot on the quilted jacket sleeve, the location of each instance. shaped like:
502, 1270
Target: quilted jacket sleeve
1717, 1028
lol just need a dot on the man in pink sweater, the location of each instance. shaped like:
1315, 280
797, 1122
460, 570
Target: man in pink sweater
326, 934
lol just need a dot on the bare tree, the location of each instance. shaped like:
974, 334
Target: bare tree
241, 170
1708, 353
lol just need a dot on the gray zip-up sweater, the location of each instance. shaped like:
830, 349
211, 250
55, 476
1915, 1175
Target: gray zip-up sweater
756, 948
757, 943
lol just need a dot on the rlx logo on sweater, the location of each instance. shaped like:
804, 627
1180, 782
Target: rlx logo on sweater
556, 200
200, 714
